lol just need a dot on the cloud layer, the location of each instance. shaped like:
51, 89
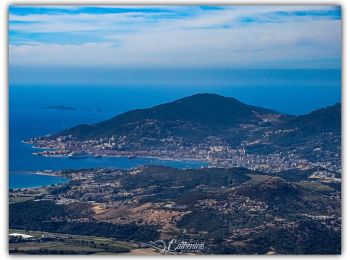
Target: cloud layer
176, 36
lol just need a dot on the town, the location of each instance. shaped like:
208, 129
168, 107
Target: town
213, 150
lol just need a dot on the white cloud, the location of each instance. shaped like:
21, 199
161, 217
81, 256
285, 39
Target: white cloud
134, 39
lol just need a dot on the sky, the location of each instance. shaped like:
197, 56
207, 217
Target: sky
175, 37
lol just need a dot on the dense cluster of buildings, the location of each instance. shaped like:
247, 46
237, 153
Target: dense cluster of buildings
213, 151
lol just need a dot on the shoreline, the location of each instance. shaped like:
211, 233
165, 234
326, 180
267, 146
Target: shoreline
97, 156
63, 179
54, 173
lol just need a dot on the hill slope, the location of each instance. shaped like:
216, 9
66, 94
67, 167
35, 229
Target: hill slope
210, 119
195, 116
326, 119
322, 127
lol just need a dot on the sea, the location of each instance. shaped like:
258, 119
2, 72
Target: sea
288, 91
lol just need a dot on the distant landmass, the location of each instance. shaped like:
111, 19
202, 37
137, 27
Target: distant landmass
59, 107
203, 115
207, 113
196, 116
69, 108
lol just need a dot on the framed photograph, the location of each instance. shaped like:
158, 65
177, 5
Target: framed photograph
175, 129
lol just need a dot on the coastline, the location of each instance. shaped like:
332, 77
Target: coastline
126, 156
20, 180
25, 174
98, 156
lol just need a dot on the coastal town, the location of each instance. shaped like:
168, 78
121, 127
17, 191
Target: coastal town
213, 151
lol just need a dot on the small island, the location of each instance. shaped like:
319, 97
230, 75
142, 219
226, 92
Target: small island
59, 107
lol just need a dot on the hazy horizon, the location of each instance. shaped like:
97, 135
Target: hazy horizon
276, 56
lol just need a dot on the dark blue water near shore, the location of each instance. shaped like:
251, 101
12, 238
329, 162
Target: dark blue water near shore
288, 91
20, 180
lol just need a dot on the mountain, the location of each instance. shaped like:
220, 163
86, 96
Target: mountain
326, 119
197, 116
210, 119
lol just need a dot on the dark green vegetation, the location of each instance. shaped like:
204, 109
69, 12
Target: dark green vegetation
315, 124
235, 211
322, 120
307, 238
72, 219
197, 116
165, 177
66, 244
202, 115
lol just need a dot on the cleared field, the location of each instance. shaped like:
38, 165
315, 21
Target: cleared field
29, 194
51, 248
257, 178
143, 251
75, 244
146, 214
315, 186
20, 199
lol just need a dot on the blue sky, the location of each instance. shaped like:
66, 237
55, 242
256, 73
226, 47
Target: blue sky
176, 36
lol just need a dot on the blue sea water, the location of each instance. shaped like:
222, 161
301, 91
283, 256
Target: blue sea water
287, 91
20, 180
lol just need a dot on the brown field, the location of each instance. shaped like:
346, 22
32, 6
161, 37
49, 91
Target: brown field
146, 214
